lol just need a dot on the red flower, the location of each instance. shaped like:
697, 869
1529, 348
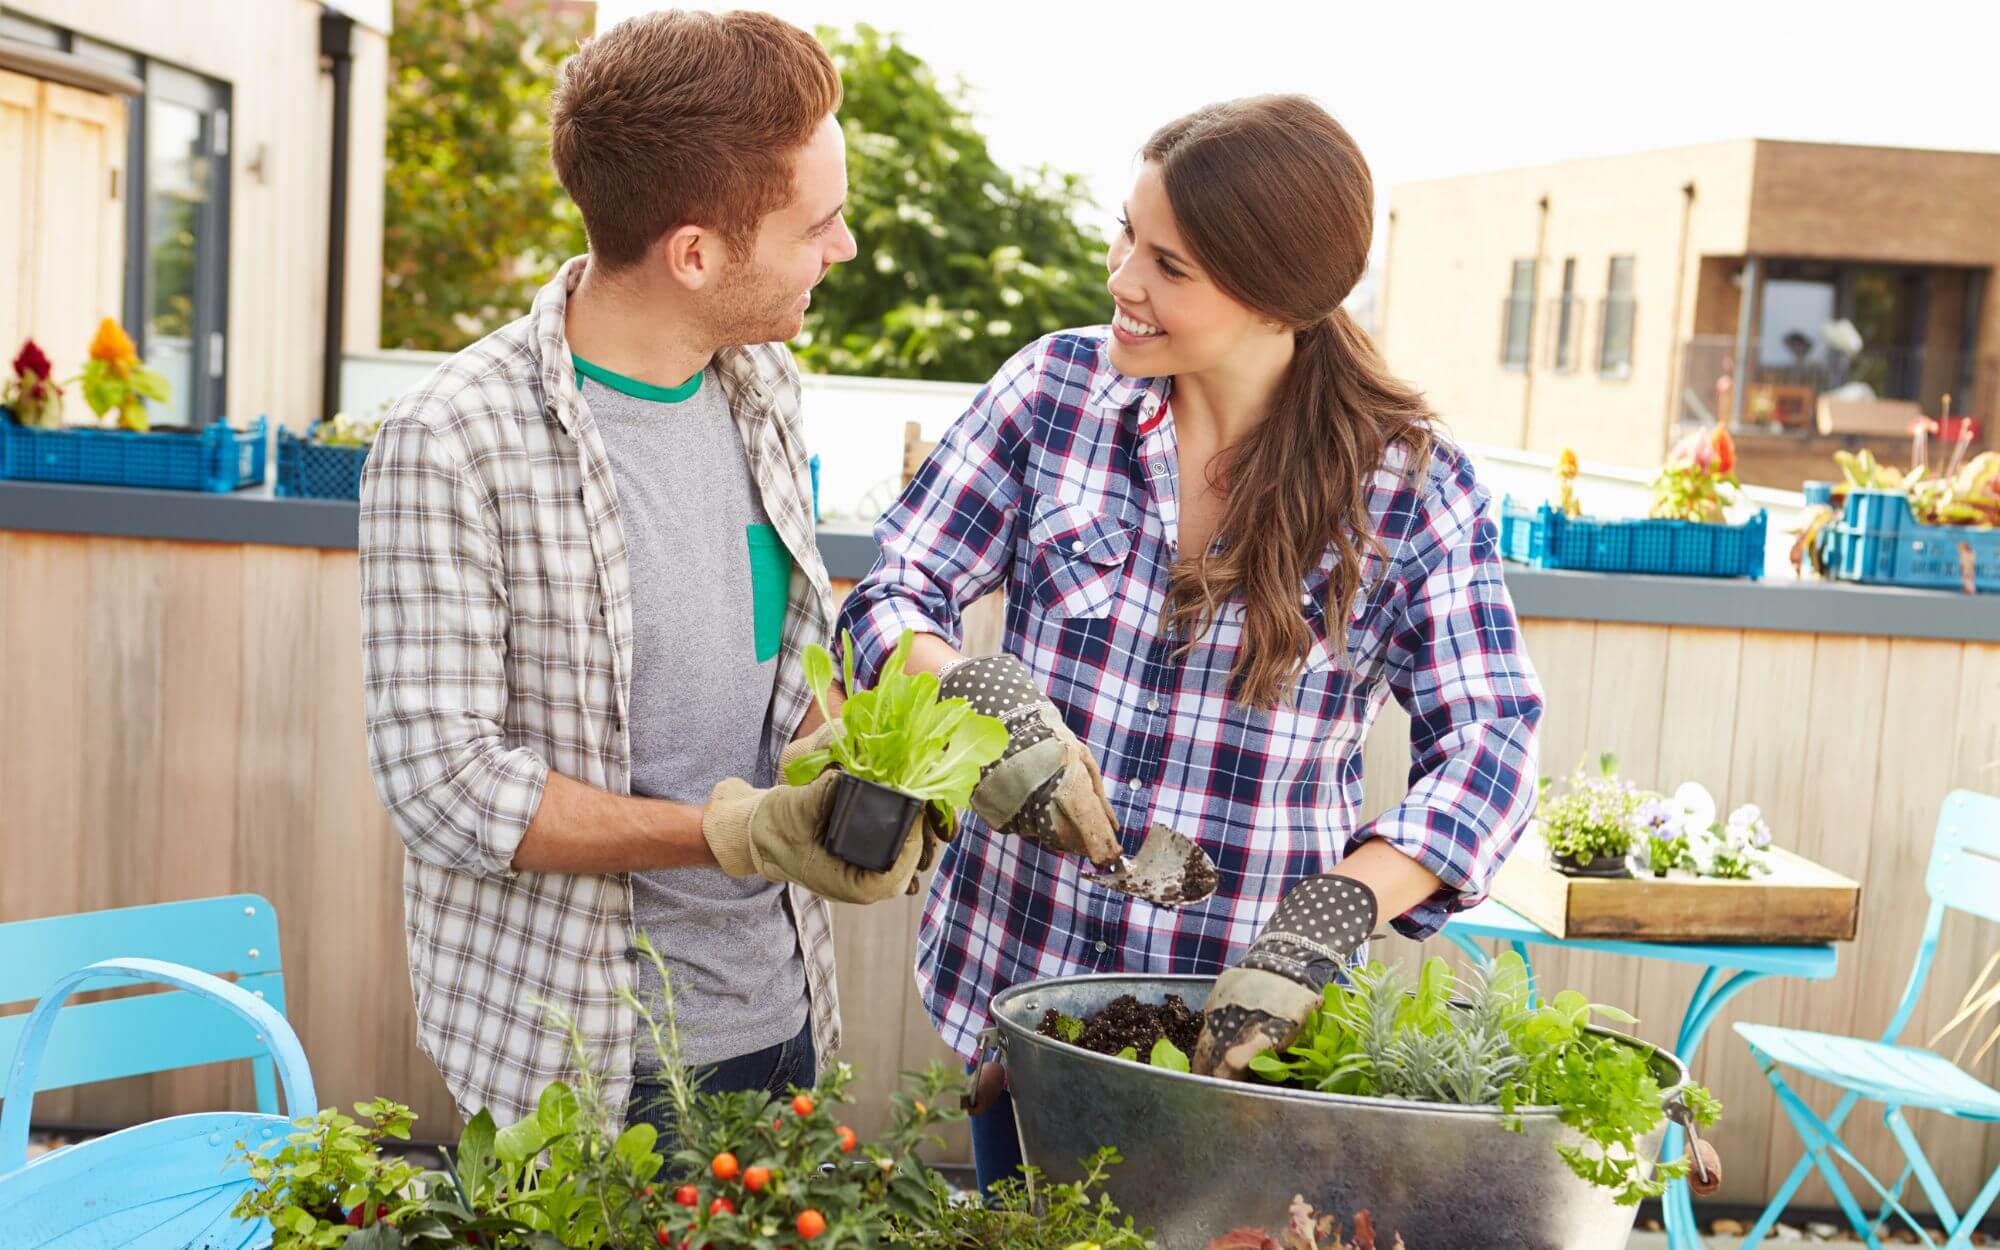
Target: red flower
32, 359
1725, 451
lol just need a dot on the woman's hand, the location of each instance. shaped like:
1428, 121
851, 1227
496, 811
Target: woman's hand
1046, 786
1262, 1003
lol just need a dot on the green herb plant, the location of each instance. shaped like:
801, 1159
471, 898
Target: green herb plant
1596, 816
1027, 1212
1478, 1039
900, 734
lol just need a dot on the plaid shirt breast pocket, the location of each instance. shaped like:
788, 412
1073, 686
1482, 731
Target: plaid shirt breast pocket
1080, 557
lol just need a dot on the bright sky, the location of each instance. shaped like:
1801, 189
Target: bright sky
1433, 89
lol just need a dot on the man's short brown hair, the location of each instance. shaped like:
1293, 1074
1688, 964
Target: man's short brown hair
680, 118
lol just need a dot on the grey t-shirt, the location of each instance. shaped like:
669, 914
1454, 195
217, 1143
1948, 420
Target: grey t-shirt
709, 583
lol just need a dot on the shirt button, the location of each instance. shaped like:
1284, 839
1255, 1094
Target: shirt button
1076, 547
1152, 705
1159, 468
1103, 947
1306, 600
1132, 784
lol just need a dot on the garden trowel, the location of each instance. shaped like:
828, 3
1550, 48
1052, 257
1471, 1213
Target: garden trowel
1169, 870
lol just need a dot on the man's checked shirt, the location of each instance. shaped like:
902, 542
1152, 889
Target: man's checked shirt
496, 632
1059, 485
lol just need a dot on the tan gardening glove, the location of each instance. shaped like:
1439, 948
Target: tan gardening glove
775, 834
821, 738
1263, 1002
1046, 787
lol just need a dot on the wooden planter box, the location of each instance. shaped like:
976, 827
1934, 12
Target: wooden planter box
1799, 902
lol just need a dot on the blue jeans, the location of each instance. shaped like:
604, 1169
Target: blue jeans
773, 1069
996, 1143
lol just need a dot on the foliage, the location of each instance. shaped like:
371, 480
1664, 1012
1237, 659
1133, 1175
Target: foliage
1699, 480
32, 394
1478, 1040
1027, 1213
115, 380
346, 430
745, 1170
961, 261
1595, 816
1963, 492
473, 218
328, 1165
900, 733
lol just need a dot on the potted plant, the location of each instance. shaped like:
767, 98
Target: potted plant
32, 394
1698, 482
116, 381
898, 746
1591, 826
327, 462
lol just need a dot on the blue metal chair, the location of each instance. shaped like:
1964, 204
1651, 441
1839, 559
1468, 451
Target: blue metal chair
1964, 874
168, 1183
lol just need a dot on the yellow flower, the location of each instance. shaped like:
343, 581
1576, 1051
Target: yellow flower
114, 347
1566, 465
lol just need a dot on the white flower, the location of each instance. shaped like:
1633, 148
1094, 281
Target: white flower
1747, 827
1697, 806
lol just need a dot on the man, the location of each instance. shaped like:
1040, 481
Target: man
588, 576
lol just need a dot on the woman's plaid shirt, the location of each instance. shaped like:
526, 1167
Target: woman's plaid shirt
1059, 485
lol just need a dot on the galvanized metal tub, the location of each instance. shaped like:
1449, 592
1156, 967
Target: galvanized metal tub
1202, 1156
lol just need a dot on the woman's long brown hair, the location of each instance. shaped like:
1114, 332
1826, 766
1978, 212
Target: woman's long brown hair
1277, 204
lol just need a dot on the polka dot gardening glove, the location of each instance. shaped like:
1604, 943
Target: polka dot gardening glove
1046, 786
1262, 1003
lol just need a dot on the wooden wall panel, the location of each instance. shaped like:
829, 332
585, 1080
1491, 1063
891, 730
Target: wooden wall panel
187, 721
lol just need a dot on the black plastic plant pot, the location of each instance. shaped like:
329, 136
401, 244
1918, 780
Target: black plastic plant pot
1601, 866
866, 822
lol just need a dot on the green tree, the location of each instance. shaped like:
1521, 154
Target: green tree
473, 218
961, 262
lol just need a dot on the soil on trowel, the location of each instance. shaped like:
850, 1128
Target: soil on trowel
1197, 882
1126, 1021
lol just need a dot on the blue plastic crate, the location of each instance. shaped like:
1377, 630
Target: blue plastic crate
1547, 539
309, 471
1879, 540
219, 458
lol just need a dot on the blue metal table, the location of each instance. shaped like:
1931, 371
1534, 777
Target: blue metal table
1730, 971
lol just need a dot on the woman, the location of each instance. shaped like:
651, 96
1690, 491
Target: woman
1225, 535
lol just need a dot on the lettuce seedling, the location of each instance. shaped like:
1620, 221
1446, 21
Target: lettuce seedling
900, 734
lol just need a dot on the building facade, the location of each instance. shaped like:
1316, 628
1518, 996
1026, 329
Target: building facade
172, 165
1604, 305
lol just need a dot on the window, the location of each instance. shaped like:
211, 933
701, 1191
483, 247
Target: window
176, 228
1614, 350
175, 277
1567, 319
1518, 316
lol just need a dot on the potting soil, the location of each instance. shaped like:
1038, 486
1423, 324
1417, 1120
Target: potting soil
1125, 1021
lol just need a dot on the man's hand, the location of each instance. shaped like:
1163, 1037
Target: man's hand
775, 834
1046, 786
1262, 1003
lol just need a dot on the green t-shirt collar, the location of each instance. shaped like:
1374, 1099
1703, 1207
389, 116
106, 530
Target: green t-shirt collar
634, 387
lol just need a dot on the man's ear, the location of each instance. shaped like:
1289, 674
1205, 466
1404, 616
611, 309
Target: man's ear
690, 255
